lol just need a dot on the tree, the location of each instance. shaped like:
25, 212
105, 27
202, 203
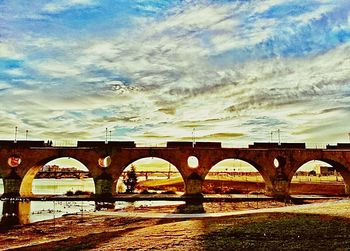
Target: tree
312, 173
130, 180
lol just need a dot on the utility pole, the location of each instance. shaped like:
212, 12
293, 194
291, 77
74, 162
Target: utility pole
27, 134
110, 135
16, 131
193, 137
106, 140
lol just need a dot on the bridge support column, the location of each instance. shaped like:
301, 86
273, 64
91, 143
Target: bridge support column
279, 189
193, 185
193, 195
103, 185
346, 178
347, 189
12, 184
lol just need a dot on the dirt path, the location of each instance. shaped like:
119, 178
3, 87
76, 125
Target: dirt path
316, 226
339, 208
251, 229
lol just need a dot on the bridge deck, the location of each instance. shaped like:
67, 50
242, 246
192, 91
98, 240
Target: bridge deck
172, 197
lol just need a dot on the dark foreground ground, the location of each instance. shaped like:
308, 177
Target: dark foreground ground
314, 227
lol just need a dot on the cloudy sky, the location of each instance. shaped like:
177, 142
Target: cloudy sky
152, 70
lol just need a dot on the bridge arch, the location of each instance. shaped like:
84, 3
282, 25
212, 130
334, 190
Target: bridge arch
341, 169
236, 169
252, 163
145, 166
1, 186
26, 188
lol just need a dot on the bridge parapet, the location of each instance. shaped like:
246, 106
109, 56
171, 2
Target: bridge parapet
269, 145
118, 144
339, 146
22, 143
188, 144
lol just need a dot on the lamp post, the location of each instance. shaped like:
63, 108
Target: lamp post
278, 134
16, 131
106, 140
193, 137
27, 134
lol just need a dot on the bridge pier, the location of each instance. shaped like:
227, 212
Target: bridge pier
103, 185
347, 189
193, 185
12, 184
279, 187
346, 179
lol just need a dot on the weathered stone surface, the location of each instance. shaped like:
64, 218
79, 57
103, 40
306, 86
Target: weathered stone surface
277, 180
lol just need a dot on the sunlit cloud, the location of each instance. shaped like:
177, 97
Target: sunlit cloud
234, 71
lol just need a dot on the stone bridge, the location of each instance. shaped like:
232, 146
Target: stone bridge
277, 163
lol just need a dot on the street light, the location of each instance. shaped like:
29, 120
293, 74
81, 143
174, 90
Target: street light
106, 140
16, 130
278, 134
193, 137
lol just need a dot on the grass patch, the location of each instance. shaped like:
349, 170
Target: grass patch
290, 232
164, 182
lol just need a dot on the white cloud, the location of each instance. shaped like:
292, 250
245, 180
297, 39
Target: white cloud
262, 6
15, 72
4, 85
196, 18
62, 5
9, 51
313, 15
56, 69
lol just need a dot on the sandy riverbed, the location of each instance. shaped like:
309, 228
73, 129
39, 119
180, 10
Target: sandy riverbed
330, 221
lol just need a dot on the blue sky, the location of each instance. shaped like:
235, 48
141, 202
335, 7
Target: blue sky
151, 71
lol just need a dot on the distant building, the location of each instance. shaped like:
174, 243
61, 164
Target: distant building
325, 170
56, 168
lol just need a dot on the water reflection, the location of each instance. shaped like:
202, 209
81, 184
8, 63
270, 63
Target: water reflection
191, 207
14, 213
24, 212
103, 205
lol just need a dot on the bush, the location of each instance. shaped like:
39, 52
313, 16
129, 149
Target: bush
79, 192
312, 173
69, 193
233, 191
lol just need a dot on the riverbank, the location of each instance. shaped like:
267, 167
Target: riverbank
323, 226
248, 184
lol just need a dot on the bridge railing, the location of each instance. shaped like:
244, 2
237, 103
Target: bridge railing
148, 144
63, 143
316, 145
317, 179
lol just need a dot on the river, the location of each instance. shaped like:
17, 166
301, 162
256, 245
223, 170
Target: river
16, 212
